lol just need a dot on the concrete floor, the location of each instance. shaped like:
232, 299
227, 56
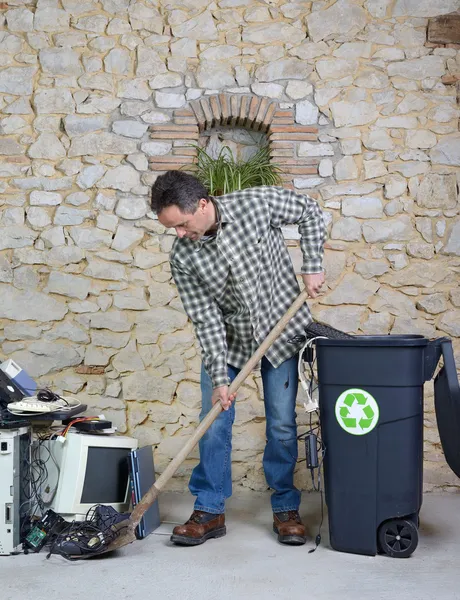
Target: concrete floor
248, 563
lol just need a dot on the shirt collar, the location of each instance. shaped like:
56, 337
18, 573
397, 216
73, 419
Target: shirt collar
224, 215
223, 211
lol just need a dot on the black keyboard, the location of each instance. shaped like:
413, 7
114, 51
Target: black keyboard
319, 330
9, 421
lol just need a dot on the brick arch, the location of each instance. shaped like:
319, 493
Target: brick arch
236, 110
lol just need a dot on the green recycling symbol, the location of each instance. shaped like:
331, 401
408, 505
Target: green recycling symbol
356, 411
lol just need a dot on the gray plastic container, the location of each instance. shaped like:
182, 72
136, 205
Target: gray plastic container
371, 411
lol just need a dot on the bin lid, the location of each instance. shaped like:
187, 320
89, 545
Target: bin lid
447, 406
329, 336
377, 341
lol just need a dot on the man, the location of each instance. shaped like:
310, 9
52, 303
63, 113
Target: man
235, 279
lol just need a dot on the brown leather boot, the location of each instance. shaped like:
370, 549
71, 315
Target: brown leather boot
200, 527
289, 528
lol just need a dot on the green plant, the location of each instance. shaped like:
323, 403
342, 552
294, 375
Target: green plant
224, 174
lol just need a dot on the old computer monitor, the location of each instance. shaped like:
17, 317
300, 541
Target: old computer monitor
86, 470
9, 390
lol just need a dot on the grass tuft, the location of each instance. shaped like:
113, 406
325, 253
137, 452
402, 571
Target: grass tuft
224, 174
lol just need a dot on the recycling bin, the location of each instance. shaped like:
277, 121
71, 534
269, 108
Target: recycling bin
371, 415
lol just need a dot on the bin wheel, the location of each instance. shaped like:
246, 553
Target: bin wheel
398, 538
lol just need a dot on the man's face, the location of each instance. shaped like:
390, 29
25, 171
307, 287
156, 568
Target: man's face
190, 225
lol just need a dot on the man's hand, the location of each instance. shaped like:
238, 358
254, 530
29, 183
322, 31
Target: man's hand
313, 283
220, 394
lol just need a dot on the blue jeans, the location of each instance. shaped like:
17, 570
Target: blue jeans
211, 480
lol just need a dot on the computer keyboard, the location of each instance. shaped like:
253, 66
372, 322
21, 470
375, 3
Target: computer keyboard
35, 406
316, 329
9, 421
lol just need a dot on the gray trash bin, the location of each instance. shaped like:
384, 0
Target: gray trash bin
371, 413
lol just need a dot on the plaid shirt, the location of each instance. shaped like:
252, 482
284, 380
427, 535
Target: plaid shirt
237, 284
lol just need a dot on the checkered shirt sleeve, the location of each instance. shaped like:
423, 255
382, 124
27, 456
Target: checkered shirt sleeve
208, 321
288, 208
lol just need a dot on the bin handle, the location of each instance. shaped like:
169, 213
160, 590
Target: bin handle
432, 355
449, 365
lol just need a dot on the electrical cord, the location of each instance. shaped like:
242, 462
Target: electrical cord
66, 429
38, 476
317, 486
90, 536
35, 484
305, 354
314, 446
46, 395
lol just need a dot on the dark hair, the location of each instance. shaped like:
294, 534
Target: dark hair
179, 189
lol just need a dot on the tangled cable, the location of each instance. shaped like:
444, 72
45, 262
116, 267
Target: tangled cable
90, 537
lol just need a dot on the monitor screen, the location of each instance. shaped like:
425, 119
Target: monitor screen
106, 476
9, 391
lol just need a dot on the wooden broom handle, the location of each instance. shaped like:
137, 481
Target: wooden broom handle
239, 379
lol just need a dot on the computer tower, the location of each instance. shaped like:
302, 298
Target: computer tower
14, 487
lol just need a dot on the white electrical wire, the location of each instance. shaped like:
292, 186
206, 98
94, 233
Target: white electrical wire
311, 405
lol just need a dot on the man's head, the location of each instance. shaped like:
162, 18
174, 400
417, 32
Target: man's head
182, 202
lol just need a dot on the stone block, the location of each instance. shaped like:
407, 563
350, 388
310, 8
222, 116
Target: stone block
418, 68
30, 305
347, 229
100, 269
452, 246
68, 285
450, 323
54, 100
336, 68
146, 387
93, 23
123, 178
423, 8
126, 237
60, 61
47, 146
17, 80
101, 143
394, 303
353, 289
132, 208
351, 114
51, 19
345, 318
20, 19
447, 151
346, 168
438, 191
343, 18
90, 238
201, 28
397, 229
363, 207
44, 357
285, 68
306, 113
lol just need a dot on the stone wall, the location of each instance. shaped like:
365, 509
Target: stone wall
87, 304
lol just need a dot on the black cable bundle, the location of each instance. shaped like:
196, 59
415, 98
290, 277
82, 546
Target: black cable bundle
46, 395
314, 446
89, 537
34, 481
